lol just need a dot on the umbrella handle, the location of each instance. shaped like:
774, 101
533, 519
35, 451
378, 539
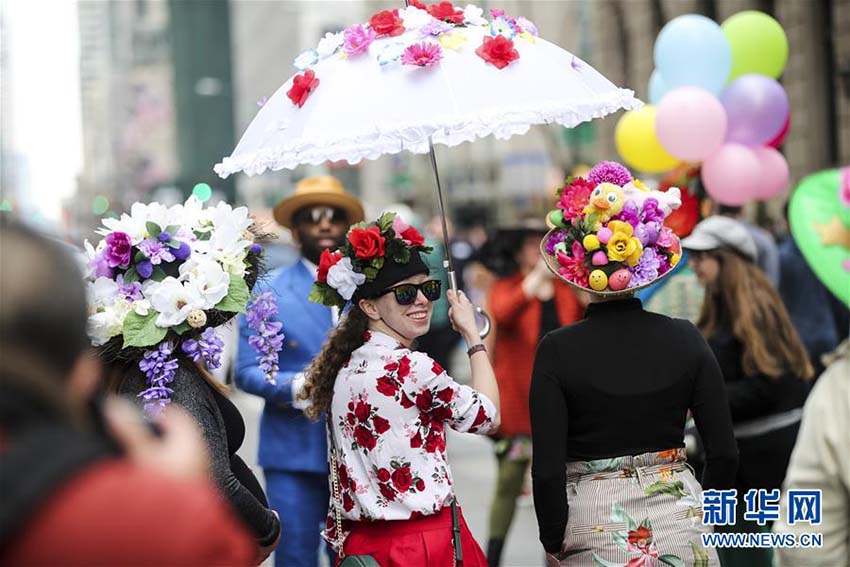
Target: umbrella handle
485, 330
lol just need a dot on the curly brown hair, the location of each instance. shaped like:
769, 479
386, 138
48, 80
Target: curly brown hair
321, 374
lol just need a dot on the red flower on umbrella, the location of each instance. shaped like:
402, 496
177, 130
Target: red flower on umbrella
446, 12
498, 51
302, 86
387, 23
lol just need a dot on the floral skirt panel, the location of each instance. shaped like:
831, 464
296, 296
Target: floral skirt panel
635, 511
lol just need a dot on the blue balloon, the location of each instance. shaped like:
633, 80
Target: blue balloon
692, 50
657, 87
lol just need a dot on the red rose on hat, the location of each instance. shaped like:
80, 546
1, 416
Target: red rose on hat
498, 51
302, 86
367, 242
413, 237
386, 23
326, 261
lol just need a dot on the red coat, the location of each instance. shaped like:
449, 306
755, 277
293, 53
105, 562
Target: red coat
516, 321
119, 514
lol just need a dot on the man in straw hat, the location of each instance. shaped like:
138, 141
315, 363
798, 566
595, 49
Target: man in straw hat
293, 450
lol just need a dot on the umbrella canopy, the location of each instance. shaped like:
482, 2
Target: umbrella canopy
418, 75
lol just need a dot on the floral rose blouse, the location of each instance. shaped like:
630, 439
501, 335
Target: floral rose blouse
389, 412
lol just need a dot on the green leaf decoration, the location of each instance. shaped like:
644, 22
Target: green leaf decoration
370, 273
139, 257
386, 221
590, 220
202, 236
236, 299
403, 256
142, 331
131, 276
599, 562
158, 274
700, 555
172, 229
153, 229
181, 328
671, 560
173, 243
676, 488
378, 263
324, 294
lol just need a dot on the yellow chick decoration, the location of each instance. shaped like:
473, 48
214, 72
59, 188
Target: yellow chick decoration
606, 201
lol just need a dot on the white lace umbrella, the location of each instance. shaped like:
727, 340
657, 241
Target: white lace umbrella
493, 76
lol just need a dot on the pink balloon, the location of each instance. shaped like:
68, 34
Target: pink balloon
774, 173
690, 123
780, 138
732, 174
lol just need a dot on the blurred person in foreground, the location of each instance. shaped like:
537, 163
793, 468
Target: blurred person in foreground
610, 394
73, 493
388, 407
765, 366
292, 449
526, 303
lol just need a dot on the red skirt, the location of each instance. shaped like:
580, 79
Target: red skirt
421, 542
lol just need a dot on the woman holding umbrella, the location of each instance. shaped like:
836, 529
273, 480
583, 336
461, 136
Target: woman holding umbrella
611, 393
388, 407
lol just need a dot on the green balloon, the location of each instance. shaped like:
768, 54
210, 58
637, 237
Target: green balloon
818, 216
758, 44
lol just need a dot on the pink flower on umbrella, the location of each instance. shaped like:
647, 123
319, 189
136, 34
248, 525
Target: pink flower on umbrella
422, 54
357, 39
572, 267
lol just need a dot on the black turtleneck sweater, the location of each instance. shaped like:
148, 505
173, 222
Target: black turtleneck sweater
621, 382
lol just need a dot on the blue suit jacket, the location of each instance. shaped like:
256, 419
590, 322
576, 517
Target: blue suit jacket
288, 440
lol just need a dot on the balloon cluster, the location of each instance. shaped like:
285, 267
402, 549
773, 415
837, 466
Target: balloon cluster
715, 100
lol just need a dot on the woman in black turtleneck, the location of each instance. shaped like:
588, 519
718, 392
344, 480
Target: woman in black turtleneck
609, 399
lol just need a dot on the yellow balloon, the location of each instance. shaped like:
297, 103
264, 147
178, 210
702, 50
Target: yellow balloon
637, 143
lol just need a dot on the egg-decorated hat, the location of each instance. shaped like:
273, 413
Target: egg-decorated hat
608, 235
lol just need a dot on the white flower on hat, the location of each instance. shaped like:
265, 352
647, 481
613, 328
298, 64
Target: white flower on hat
207, 277
344, 279
107, 321
414, 18
174, 301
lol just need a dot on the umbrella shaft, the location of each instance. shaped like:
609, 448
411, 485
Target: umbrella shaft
447, 262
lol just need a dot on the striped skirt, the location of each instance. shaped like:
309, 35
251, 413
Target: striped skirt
635, 511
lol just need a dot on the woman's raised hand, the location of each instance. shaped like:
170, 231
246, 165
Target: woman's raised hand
462, 316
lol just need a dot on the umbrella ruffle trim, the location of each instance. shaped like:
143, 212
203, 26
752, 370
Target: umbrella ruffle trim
413, 137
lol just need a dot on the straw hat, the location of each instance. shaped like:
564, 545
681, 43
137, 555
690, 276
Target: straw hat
316, 191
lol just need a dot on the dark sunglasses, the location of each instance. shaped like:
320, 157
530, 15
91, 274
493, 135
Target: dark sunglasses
315, 215
405, 294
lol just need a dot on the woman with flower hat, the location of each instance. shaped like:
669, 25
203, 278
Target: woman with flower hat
388, 406
611, 393
159, 283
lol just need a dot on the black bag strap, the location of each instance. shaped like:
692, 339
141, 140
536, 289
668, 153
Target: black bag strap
37, 464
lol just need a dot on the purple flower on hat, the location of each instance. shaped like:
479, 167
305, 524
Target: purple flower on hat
100, 266
609, 171
665, 266
256, 248
646, 269
156, 251
268, 342
183, 252
118, 250
651, 212
131, 291
629, 214
145, 269
159, 368
207, 348
554, 239
648, 232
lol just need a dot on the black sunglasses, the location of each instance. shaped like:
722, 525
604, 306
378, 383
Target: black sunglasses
405, 294
315, 215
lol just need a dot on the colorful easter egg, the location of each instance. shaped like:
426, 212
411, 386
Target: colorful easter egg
590, 242
556, 217
604, 234
598, 280
600, 258
620, 279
